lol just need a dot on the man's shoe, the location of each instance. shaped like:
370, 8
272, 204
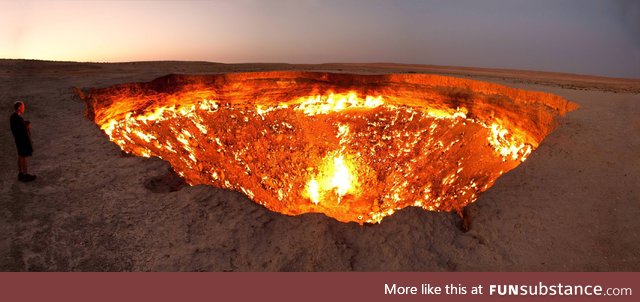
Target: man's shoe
26, 177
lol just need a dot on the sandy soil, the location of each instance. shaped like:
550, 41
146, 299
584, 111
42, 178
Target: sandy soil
574, 205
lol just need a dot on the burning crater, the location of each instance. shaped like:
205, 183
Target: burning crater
354, 147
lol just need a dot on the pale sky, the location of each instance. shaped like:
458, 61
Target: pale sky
576, 36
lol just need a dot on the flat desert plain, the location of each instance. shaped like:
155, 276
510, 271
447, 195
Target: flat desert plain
573, 205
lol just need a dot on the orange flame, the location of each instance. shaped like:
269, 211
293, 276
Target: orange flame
354, 156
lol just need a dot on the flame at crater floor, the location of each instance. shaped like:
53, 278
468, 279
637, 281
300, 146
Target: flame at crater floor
354, 147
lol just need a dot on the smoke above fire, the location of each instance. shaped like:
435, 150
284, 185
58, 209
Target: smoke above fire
354, 147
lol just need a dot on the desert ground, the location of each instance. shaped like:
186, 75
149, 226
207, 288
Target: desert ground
574, 205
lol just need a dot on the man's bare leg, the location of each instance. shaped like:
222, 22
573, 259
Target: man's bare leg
21, 165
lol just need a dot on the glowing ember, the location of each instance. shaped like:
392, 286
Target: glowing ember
354, 147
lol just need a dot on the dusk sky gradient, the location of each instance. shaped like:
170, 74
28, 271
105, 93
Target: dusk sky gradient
576, 36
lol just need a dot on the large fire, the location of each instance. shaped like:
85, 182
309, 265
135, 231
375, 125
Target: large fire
354, 147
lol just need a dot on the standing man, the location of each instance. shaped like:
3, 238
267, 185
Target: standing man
21, 130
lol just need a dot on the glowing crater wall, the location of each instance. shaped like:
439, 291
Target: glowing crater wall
354, 147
